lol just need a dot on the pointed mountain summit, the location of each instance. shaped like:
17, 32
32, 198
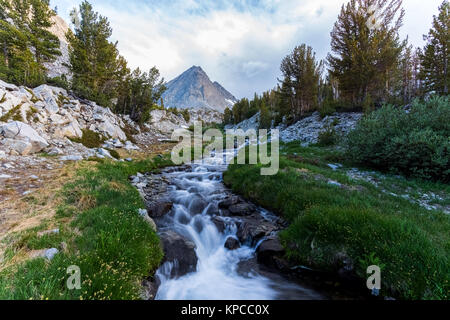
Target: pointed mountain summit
194, 90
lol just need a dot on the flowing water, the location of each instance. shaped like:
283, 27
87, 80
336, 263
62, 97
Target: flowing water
219, 275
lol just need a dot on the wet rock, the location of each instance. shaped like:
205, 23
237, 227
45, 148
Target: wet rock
268, 250
345, 267
150, 289
197, 205
225, 212
252, 229
193, 190
241, 209
232, 243
183, 218
220, 224
211, 209
179, 251
225, 204
159, 209
198, 224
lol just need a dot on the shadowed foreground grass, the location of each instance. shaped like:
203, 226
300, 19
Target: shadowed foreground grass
355, 220
102, 233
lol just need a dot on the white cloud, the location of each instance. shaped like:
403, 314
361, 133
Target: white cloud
238, 43
253, 68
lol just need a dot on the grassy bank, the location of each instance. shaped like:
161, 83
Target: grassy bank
101, 232
353, 219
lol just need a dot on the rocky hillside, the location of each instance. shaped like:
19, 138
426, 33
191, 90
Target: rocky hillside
59, 67
194, 89
49, 119
308, 129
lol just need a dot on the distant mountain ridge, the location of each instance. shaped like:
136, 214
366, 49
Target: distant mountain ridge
193, 89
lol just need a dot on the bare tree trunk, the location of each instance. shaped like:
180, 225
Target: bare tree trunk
5, 53
445, 71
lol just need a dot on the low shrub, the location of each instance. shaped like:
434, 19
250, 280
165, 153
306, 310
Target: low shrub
327, 137
130, 132
183, 112
90, 139
327, 108
114, 153
60, 82
14, 114
414, 143
31, 113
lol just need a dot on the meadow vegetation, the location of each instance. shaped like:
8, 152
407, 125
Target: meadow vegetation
101, 232
333, 217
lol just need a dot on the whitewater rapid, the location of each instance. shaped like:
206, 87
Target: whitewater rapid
218, 275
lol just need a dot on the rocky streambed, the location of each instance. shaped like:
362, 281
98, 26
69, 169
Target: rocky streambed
218, 245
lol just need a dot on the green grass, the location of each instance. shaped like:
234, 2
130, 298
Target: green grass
357, 220
105, 236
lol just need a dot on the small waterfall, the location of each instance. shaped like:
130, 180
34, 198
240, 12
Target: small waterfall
217, 276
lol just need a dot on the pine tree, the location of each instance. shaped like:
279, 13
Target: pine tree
301, 76
97, 68
436, 54
45, 44
409, 82
265, 117
228, 116
244, 109
364, 57
8, 36
26, 42
141, 93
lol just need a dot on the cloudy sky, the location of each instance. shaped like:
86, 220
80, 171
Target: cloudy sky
239, 43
